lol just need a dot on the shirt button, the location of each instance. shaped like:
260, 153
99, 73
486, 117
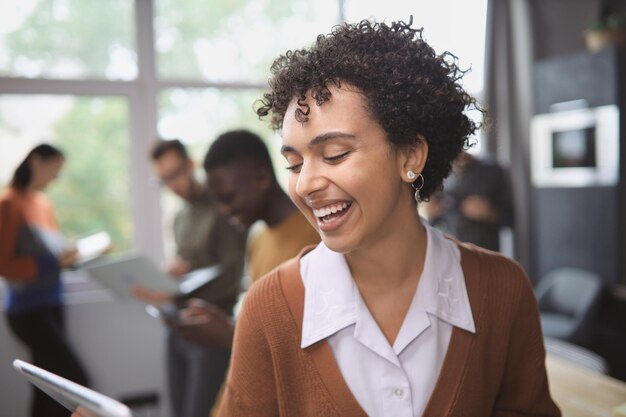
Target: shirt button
398, 392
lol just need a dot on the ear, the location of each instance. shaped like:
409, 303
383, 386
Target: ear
413, 158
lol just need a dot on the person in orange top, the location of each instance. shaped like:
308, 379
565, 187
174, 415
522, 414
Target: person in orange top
31, 258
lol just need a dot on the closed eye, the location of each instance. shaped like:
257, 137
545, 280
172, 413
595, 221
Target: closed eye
336, 158
294, 168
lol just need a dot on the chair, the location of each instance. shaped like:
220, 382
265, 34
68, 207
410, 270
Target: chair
568, 299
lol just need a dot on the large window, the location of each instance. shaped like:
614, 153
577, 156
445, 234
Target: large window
104, 79
93, 193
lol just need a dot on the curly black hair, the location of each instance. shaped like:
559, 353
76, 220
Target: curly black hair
412, 92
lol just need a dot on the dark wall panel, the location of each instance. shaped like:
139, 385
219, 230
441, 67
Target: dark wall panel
576, 227
578, 76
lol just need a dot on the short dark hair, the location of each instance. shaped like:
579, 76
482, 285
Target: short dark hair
163, 146
235, 146
408, 89
23, 173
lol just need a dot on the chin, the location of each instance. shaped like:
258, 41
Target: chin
338, 244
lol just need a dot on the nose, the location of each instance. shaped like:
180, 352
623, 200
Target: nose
311, 179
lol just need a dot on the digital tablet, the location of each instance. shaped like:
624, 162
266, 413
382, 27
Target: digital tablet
72, 396
120, 272
198, 278
92, 246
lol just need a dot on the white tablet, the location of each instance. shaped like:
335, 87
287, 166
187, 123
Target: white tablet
199, 278
92, 246
72, 396
120, 272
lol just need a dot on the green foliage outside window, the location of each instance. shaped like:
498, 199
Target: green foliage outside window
93, 193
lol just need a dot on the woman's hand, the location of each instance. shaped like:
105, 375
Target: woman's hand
68, 258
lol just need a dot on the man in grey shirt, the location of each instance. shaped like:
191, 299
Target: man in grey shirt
203, 238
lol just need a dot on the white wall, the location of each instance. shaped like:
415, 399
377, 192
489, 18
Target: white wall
120, 345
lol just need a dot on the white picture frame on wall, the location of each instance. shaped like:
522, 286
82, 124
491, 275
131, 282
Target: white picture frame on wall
575, 148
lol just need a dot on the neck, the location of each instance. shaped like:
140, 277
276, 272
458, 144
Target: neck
394, 261
279, 206
196, 190
32, 188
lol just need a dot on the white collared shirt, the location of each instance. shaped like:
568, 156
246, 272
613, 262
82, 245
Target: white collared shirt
387, 381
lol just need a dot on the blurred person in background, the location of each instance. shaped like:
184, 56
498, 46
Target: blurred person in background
242, 178
203, 238
475, 203
32, 255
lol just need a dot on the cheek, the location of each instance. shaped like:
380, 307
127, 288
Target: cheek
291, 187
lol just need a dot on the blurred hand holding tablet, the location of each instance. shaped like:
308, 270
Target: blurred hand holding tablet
72, 396
167, 312
92, 246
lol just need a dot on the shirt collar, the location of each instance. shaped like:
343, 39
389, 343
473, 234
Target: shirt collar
332, 299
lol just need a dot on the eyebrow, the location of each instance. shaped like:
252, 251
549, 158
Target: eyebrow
319, 139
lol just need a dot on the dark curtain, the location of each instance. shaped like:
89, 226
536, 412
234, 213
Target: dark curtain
508, 99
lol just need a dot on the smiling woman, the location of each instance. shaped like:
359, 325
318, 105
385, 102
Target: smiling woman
386, 316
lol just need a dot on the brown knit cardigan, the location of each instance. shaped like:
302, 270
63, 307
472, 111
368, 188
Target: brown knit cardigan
498, 371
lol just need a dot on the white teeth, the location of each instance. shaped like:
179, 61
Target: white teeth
328, 210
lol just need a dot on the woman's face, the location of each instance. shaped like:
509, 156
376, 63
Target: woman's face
44, 171
346, 177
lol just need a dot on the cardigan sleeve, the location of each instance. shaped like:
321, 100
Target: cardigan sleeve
250, 388
12, 266
524, 390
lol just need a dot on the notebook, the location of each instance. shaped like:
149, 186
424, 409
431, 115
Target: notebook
72, 396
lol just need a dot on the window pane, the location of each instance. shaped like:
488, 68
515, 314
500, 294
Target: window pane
93, 192
197, 116
234, 40
457, 26
67, 39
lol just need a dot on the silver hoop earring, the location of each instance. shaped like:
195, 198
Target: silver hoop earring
410, 175
417, 187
